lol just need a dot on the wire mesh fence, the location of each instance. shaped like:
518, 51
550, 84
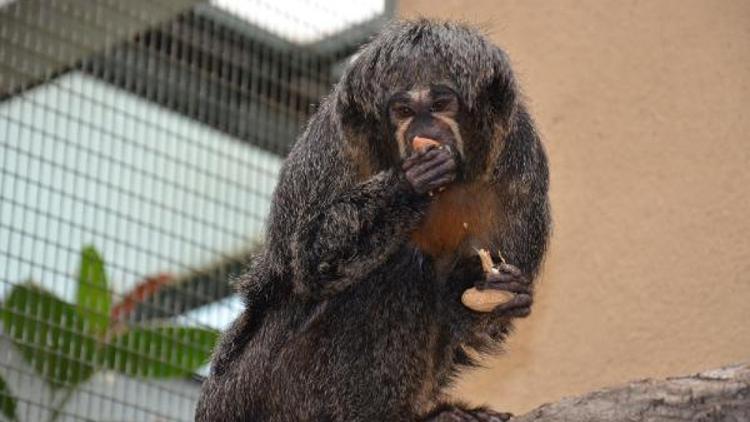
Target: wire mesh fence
139, 146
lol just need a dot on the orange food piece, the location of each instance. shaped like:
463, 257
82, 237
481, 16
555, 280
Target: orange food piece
485, 300
420, 144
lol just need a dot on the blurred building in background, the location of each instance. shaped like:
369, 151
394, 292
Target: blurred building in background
139, 146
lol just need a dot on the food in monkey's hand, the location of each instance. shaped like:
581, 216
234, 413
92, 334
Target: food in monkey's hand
422, 144
485, 300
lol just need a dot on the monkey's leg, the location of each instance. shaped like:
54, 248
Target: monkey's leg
462, 413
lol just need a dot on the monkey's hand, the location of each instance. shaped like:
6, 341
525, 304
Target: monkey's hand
509, 278
430, 169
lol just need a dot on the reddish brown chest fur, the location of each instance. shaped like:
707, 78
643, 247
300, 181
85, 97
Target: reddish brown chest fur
460, 212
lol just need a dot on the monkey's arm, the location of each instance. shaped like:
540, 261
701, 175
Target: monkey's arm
344, 239
521, 180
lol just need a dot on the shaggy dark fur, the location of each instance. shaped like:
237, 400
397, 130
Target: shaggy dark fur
346, 320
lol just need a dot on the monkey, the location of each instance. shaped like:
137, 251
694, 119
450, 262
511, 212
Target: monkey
352, 308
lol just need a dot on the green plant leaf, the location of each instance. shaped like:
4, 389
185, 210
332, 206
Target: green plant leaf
93, 297
7, 401
160, 352
50, 335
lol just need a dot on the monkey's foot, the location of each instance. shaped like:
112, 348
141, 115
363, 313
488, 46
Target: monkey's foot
458, 414
509, 278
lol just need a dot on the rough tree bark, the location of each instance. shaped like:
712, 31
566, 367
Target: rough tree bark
718, 395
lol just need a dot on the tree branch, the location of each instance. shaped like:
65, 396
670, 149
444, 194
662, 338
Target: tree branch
718, 395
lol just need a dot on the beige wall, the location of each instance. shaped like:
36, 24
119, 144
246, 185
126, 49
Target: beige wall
644, 106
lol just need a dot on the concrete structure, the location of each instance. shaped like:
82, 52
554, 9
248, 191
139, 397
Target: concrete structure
643, 106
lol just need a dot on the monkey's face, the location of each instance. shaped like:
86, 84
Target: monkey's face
435, 80
432, 113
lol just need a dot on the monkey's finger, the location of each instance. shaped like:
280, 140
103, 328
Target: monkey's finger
427, 155
420, 157
439, 183
520, 300
517, 312
505, 277
409, 162
430, 154
433, 173
511, 272
423, 186
436, 179
512, 269
434, 168
510, 286
439, 160
428, 186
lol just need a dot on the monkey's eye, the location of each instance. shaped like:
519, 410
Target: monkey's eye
440, 105
403, 112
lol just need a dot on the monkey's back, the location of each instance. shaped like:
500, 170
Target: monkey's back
358, 356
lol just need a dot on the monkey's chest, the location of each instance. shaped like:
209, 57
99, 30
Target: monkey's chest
460, 213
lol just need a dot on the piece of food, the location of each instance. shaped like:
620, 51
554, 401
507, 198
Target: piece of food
421, 144
485, 300
486, 258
